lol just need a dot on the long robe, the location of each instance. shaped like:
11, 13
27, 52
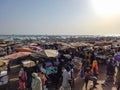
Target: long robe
36, 82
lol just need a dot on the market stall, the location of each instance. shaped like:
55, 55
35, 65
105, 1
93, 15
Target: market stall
17, 57
4, 78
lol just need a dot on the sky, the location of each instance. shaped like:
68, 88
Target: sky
60, 17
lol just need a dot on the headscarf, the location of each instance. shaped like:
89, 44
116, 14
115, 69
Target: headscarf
95, 65
36, 82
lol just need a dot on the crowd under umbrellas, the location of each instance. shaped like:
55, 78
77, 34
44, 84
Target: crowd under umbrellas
49, 67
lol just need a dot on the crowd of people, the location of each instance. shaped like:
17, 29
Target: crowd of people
50, 74
54, 73
59, 72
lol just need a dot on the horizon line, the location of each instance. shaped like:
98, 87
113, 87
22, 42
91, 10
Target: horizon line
65, 34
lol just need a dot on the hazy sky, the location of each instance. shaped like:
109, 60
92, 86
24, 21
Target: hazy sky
96, 17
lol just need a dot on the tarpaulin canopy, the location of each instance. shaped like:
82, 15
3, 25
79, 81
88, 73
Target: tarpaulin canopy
77, 44
2, 62
24, 50
36, 48
51, 53
103, 43
17, 55
38, 56
45, 53
33, 44
28, 63
66, 46
3, 45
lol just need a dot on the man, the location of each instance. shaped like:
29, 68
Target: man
111, 68
66, 83
87, 77
118, 78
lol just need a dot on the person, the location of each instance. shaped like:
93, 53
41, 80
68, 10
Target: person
92, 57
118, 78
82, 72
66, 83
95, 68
43, 78
7, 50
29, 79
87, 77
110, 70
8, 68
37, 69
22, 79
94, 79
36, 82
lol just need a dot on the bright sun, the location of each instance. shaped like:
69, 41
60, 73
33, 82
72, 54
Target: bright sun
106, 7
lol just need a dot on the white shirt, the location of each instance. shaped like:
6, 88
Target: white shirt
66, 78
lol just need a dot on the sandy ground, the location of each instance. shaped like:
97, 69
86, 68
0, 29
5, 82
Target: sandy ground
102, 76
79, 82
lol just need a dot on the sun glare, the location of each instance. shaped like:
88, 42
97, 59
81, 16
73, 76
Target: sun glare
106, 7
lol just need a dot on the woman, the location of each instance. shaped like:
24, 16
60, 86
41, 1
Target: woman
95, 73
95, 68
43, 78
36, 82
22, 79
